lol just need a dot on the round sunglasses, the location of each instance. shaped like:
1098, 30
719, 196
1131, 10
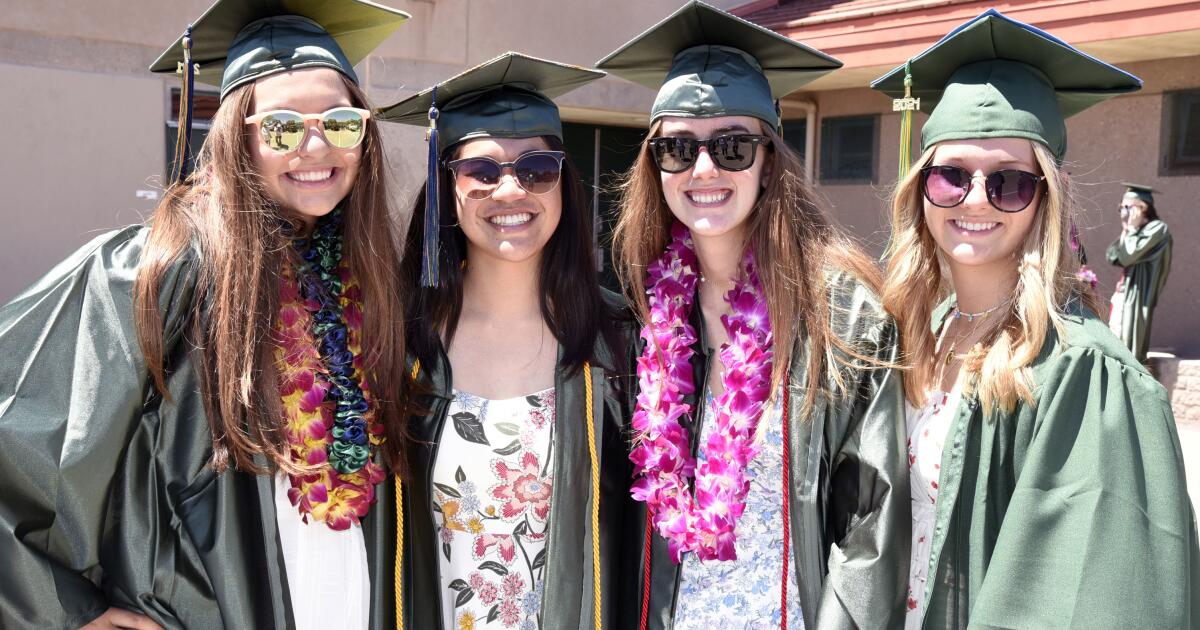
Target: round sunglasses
536, 172
1008, 190
283, 130
731, 153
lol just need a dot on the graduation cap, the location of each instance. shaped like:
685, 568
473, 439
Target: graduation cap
506, 97
1139, 192
995, 77
237, 41
706, 63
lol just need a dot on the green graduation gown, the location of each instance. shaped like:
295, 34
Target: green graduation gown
1145, 256
567, 602
849, 505
107, 498
1069, 513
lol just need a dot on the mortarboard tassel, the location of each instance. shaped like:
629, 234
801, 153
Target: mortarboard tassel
906, 106
183, 140
429, 261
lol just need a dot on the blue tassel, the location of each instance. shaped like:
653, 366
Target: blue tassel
429, 262
183, 141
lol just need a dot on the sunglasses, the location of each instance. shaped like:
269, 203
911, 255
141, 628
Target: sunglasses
1008, 190
283, 130
536, 172
730, 153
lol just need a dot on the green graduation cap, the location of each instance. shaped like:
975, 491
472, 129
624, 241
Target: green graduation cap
995, 77
506, 97
1140, 192
706, 63
237, 41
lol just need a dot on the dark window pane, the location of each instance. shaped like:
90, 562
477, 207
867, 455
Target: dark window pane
1189, 127
848, 147
795, 132
618, 149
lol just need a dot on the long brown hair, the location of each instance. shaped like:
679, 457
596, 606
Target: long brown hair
795, 247
223, 212
1046, 283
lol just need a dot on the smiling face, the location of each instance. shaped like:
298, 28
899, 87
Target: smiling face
311, 180
710, 201
512, 224
974, 234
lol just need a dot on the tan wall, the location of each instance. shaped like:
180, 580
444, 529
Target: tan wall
71, 164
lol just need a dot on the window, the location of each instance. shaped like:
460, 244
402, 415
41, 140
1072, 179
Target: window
602, 155
204, 107
795, 131
848, 148
1181, 131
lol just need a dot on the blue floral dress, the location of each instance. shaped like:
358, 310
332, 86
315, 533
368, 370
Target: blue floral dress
492, 479
744, 594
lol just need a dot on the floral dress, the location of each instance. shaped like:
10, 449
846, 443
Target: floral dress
744, 594
927, 431
492, 479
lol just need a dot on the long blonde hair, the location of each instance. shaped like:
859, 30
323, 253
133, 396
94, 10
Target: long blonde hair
1046, 283
223, 209
795, 245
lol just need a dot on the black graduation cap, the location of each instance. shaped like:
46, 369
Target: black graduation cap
705, 63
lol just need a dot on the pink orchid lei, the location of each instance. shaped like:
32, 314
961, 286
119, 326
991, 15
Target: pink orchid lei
337, 499
703, 522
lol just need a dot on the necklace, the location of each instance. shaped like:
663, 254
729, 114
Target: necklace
329, 419
702, 521
980, 315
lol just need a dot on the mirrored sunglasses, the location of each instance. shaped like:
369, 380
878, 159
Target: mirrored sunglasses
731, 153
283, 130
1008, 190
536, 172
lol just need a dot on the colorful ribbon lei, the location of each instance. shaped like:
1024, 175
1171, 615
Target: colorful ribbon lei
330, 421
702, 522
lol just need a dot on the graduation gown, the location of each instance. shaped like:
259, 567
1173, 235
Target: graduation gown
1145, 256
1071, 513
848, 498
568, 598
107, 498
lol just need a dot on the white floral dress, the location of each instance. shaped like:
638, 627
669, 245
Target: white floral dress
492, 479
744, 594
927, 431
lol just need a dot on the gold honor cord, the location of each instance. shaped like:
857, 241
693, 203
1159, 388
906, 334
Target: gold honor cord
591, 429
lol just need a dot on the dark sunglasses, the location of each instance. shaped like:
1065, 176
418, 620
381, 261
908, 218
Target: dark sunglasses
1008, 190
730, 153
536, 172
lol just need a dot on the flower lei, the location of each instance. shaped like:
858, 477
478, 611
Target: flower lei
329, 418
703, 522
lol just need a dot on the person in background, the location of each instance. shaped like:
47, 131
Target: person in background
1143, 252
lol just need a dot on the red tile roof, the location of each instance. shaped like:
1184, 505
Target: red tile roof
778, 14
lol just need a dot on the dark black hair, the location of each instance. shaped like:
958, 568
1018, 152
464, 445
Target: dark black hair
570, 298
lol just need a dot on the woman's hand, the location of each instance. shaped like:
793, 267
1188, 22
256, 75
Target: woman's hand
117, 618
